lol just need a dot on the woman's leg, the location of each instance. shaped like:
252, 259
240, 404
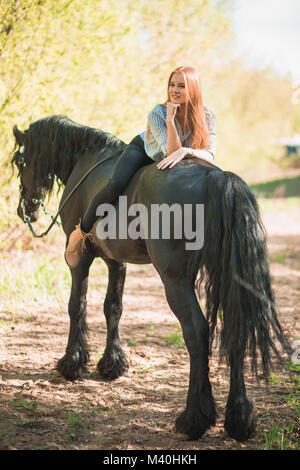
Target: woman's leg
133, 158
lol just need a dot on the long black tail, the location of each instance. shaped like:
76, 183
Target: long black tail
234, 264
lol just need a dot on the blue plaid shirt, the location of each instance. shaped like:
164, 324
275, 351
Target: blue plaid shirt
156, 147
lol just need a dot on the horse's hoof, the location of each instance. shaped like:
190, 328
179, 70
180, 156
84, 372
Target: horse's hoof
111, 367
188, 427
71, 370
181, 436
241, 420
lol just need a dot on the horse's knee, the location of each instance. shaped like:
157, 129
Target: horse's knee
196, 336
184, 304
180, 296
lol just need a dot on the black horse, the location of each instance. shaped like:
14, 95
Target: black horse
232, 265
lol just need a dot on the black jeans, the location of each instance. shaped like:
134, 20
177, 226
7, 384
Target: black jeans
133, 158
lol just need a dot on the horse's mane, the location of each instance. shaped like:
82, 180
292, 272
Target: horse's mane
56, 143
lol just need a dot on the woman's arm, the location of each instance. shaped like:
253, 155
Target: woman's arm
173, 141
157, 126
182, 152
206, 154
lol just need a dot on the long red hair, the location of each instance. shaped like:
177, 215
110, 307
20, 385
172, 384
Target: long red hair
194, 118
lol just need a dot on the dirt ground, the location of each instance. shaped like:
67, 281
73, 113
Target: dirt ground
42, 410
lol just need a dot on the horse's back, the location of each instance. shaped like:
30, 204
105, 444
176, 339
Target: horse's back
185, 183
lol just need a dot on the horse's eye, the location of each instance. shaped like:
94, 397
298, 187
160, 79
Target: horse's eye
21, 162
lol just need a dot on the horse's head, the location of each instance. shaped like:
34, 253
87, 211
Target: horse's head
32, 189
47, 152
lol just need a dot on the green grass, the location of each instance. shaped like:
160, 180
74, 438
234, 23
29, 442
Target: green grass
35, 276
281, 194
294, 401
282, 187
287, 437
279, 205
294, 367
74, 420
24, 405
38, 278
279, 257
280, 439
73, 426
22, 285
175, 339
132, 342
273, 379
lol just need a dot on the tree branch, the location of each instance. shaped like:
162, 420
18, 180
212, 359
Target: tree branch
13, 90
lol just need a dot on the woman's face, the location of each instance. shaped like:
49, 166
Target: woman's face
177, 89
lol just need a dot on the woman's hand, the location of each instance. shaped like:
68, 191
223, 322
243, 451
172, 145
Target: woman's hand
171, 111
173, 158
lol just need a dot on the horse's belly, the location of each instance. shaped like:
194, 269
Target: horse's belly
125, 251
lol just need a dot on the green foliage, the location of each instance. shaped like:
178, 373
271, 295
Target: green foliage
103, 63
77, 57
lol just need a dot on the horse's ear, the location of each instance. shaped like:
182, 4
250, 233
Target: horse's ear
19, 135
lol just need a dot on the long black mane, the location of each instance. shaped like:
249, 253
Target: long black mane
55, 144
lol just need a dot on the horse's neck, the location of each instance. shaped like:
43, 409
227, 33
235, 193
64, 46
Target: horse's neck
63, 177
66, 164
62, 170
76, 166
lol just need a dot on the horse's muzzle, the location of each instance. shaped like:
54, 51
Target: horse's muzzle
30, 215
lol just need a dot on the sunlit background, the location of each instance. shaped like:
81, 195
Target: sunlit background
268, 34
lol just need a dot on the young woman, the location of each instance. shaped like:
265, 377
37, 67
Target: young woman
181, 126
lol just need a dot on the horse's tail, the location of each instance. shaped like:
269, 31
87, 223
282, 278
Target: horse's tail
234, 263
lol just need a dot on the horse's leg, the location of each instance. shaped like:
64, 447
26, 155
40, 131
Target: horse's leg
73, 363
240, 417
113, 364
200, 412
